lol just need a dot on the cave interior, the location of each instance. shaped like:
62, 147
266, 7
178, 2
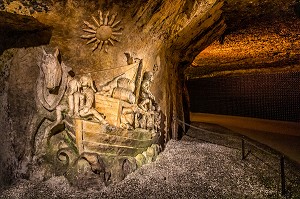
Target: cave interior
233, 63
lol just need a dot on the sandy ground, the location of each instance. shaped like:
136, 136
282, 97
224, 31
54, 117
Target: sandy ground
188, 168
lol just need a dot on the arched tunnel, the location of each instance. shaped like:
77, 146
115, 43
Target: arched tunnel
150, 99
250, 74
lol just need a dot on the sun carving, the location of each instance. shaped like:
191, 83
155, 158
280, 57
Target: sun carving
103, 33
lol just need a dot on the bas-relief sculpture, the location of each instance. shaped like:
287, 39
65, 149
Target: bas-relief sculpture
50, 91
103, 32
110, 128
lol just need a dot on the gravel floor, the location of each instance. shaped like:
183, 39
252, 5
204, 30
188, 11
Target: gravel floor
186, 169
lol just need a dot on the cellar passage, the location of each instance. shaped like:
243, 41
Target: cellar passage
267, 96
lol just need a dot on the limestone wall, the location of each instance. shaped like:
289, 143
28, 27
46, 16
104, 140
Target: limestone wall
165, 34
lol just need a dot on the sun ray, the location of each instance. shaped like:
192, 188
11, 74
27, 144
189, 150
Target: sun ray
106, 18
87, 36
95, 45
117, 29
116, 33
112, 43
89, 25
89, 30
115, 38
101, 44
92, 40
112, 19
95, 20
101, 17
116, 23
102, 32
105, 46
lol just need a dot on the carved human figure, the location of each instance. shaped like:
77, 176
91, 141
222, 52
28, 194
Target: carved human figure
150, 118
157, 118
147, 99
83, 100
66, 105
146, 96
128, 116
73, 90
144, 119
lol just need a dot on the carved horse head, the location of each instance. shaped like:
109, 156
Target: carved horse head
53, 76
52, 70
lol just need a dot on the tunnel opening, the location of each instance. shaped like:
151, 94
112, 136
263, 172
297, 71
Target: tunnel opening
253, 70
247, 81
270, 96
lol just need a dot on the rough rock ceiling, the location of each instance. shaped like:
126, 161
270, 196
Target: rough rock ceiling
18, 30
262, 35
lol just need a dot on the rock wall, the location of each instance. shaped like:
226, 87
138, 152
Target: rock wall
165, 34
7, 156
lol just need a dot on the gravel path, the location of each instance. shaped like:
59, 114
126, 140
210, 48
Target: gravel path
186, 169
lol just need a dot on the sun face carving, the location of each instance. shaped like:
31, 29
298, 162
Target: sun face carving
104, 31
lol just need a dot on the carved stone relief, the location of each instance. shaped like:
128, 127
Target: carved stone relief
104, 31
117, 123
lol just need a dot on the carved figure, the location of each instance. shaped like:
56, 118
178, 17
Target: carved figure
103, 32
130, 58
65, 106
85, 99
146, 96
150, 118
50, 90
143, 121
157, 118
142, 118
53, 77
70, 101
72, 90
147, 121
128, 116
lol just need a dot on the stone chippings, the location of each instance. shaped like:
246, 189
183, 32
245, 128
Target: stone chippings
186, 169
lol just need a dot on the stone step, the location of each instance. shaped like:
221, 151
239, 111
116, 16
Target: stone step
111, 149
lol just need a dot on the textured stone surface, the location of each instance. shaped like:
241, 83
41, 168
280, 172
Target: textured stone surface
149, 30
186, 169
261, 35
8, 159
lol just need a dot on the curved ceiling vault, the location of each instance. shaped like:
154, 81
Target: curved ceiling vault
262, 36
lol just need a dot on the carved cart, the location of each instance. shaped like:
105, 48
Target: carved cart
92, 136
